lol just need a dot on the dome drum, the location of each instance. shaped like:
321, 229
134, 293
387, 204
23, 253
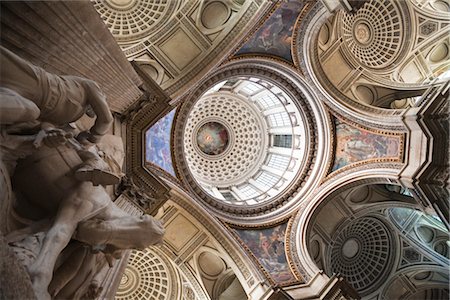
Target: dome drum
270, 126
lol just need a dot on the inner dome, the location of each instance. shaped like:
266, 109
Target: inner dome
244, 141
212, 138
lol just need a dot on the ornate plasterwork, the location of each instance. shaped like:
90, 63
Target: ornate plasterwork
418, 263
304, 105
247, 139
131, 20
306, 34
357, 84
178, 41
376, 34
219, 237
422, 233
153, 105
334, 227
417, 279
202, 232
304, 12
302, 222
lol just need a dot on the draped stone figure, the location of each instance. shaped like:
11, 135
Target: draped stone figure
29, 93
58, 178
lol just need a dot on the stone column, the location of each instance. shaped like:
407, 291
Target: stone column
426, 168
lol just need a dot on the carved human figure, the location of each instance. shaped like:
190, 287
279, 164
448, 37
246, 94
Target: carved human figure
53, 175
29, 93
81, 211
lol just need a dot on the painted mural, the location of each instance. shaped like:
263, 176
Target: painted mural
268, 246
354, 145
275, 35
157, 143
212, 138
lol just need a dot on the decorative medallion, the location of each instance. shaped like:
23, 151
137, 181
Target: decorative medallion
362, 33
212, 138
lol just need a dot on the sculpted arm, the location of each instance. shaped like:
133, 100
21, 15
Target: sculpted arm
97, 100
101, 109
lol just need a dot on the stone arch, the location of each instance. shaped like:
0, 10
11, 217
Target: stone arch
342, 83
422, 278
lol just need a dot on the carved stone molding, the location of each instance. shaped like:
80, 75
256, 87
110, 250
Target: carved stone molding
178, 42
367, 174
141, 184
219, 236
306, 34
139, 196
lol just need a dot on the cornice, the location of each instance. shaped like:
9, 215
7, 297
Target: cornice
146, 112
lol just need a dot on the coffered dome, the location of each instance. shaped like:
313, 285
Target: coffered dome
225, 139
244, 141
131, 20
365, 33
362, 253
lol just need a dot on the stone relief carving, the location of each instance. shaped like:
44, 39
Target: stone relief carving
66, 227
33, 94
137, 194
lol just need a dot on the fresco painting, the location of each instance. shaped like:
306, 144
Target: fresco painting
274, 38
212, 138
354, 145
157, 143
268, 246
